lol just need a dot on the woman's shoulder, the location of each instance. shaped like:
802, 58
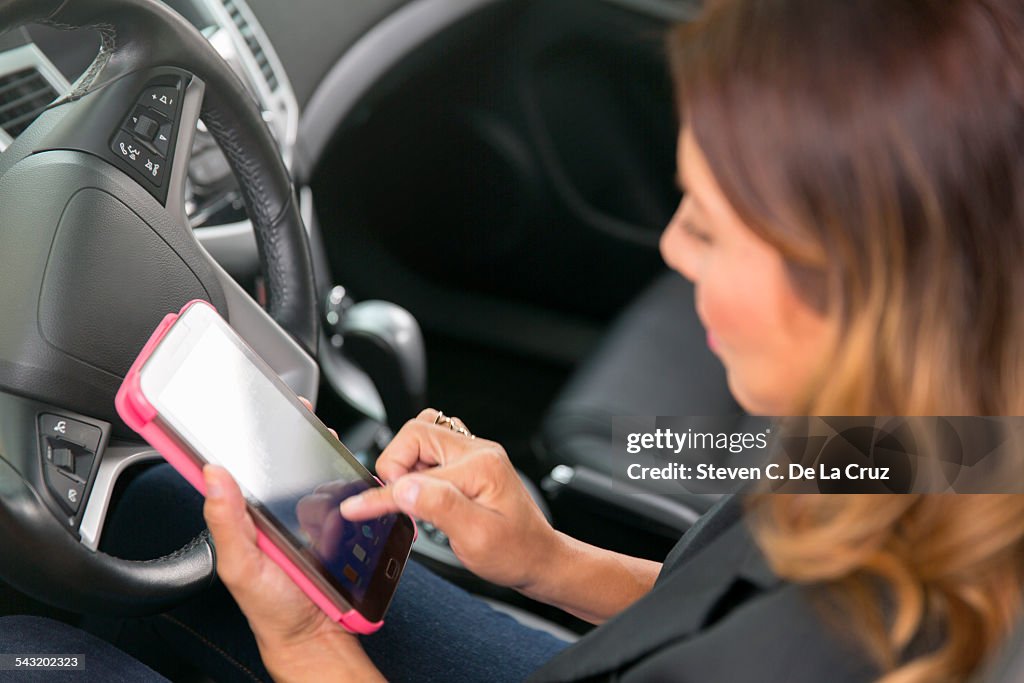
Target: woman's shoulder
717, 612
778, 634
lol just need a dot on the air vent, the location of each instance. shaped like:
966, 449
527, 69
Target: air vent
24, 94
253, 42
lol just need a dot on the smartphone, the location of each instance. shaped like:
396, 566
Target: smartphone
199, 394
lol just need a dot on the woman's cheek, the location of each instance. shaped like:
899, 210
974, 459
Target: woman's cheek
728, 311
737, 312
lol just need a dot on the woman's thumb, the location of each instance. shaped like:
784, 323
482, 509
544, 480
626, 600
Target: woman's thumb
234, 534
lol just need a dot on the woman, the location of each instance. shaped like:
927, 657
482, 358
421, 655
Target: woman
853, 222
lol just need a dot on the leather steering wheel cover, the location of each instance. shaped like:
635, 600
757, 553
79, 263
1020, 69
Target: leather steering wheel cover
117, 587
136, 34
139, 33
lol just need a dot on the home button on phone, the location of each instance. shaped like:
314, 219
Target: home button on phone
391, 571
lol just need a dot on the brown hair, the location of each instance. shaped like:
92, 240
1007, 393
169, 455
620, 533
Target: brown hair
879, 145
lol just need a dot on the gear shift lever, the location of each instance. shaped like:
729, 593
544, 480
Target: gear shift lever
383, 339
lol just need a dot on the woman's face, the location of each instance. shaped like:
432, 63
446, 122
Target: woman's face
770, 341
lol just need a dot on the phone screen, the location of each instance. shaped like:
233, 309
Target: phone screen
221, 400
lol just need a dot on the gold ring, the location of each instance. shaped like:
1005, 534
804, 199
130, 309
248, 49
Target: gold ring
453, 423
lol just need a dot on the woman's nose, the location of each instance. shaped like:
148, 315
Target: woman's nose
675, 250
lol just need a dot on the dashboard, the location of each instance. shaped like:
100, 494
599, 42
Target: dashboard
283, 74
307, 64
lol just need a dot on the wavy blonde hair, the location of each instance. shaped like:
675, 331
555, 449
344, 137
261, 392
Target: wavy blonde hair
879, 145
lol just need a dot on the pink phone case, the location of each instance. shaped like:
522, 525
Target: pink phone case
139, 414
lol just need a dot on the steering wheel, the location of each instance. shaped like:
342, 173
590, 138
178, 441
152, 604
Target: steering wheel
95, 249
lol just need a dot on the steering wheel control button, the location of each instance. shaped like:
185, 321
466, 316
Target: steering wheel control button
162, 139
65, 429
147, 133
66, 488
163, 98
151, 166
146, 127
150, 128
154, 170
63, 458
127, 147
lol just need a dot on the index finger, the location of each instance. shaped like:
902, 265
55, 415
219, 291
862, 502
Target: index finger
420, 443
465, 476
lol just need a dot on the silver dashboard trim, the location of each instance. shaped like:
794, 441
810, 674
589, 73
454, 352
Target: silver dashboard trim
233, 245
23, 57
280, 104
116, 459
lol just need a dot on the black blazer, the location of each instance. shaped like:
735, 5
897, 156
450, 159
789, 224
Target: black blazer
716, 613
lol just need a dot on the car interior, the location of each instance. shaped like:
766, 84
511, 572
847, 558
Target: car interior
482, 185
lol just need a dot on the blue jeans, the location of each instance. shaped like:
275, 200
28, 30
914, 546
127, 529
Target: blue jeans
432, 631
38, 636
435, 631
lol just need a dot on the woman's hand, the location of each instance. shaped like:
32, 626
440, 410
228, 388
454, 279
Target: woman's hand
468, 489
297, 641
